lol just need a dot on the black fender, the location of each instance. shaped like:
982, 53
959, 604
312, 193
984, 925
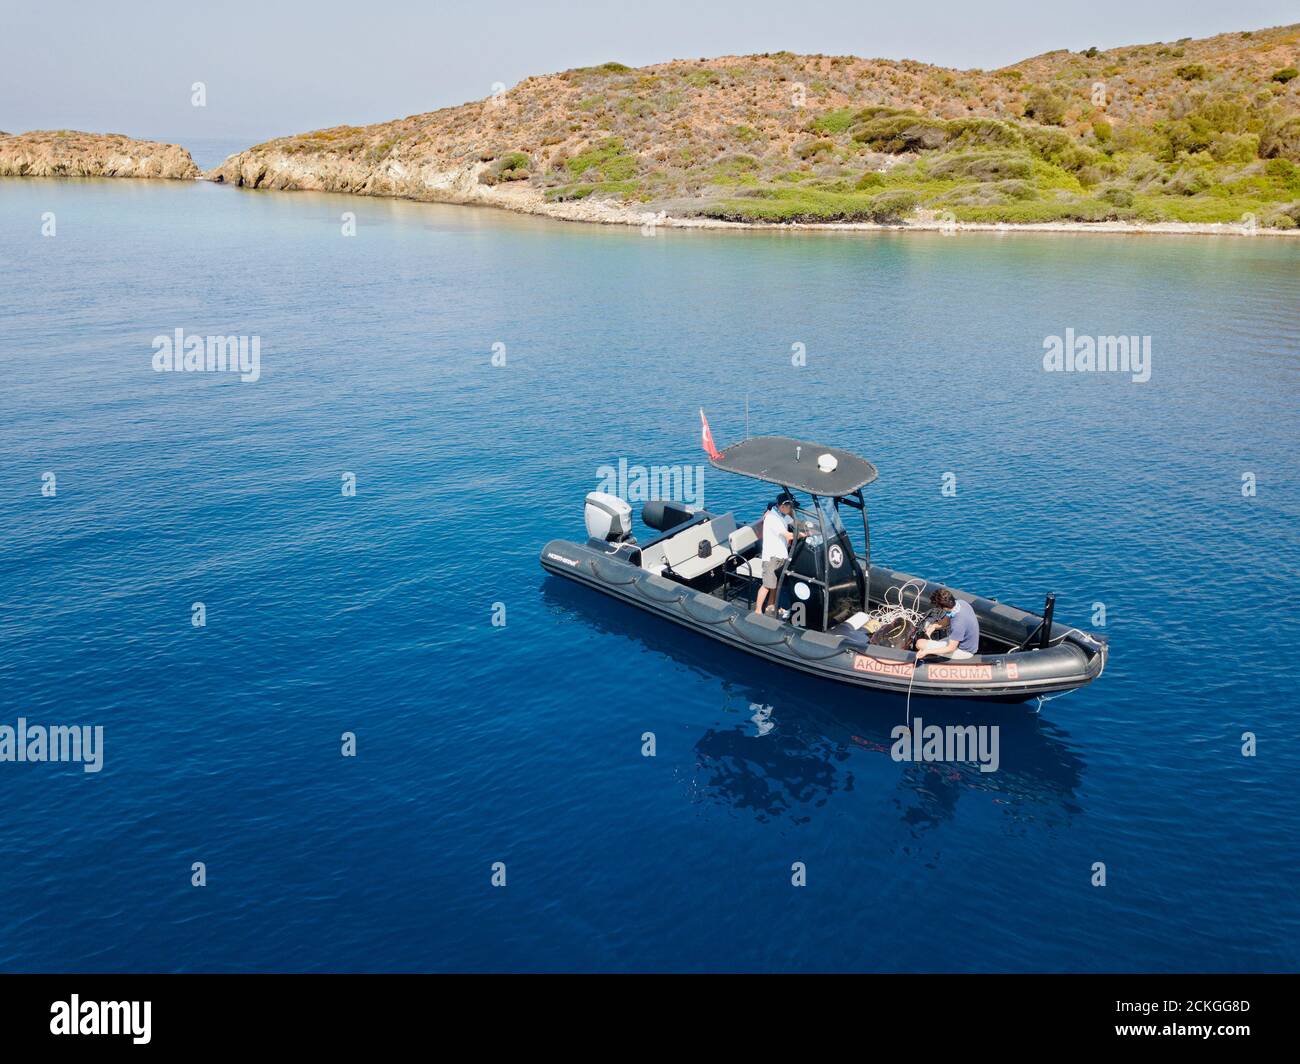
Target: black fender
657, 589
812, 645
749, 628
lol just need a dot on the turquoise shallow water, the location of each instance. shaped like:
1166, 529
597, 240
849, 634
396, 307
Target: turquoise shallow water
373, 614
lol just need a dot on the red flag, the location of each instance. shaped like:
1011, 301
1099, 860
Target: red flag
706, 437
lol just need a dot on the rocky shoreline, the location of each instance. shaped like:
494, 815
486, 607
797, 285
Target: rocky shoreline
67, 153
271, 170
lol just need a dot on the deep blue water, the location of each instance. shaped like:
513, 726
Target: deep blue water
522, 744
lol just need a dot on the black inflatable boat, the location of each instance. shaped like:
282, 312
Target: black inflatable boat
838, 612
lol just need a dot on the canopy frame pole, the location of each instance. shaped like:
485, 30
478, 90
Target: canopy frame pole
859, 502
826, 562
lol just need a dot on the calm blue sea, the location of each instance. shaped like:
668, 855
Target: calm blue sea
521, 743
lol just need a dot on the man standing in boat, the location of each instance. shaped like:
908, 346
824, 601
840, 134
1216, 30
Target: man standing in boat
777, 538
963, 629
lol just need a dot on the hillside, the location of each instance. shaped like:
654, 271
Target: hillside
67, 153
1191, 131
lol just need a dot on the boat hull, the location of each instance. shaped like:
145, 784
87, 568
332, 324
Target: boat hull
1074, 659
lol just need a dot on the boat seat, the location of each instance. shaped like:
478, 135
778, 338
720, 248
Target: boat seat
681, 553
742, 539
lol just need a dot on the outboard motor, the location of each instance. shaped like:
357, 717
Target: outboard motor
608, 518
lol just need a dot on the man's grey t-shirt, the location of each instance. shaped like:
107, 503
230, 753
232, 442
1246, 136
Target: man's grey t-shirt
965, 628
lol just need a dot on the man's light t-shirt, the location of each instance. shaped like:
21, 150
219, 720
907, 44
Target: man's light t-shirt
775, 527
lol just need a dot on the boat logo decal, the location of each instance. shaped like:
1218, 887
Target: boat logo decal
560, 558
866, 663
1013, 670
836, 556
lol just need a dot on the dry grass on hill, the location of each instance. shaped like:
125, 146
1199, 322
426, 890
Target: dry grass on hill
1205, 130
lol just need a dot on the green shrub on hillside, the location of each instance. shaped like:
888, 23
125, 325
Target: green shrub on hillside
810, 148
734, 169
566, 193
983, 132
1040, 211
1188, 181
1057, 147
1285, 173
894, 205
1234, 147
900, 132
608, 161
1043, 105
1014, 189
814, 205
513, 166
1286, 216
702, 79
1281, 141
834, 122
983, 166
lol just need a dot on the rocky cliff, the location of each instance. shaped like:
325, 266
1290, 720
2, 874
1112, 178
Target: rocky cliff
66, 153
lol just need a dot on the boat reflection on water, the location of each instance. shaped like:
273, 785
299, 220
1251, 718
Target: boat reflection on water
790, 742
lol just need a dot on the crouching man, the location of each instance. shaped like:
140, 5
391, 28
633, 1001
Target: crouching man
962, 639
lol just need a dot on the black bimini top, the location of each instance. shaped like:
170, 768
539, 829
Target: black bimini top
793, 464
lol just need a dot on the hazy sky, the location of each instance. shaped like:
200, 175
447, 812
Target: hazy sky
276, 67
